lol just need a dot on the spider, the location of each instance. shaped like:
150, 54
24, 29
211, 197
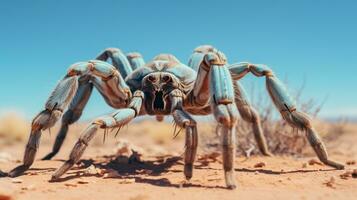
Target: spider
161, 87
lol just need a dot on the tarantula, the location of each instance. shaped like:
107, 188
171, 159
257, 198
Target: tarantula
164, 86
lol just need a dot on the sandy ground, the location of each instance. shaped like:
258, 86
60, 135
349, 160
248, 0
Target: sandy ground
159, 174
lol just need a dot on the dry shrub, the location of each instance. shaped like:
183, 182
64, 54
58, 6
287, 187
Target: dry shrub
281, 137
13, 128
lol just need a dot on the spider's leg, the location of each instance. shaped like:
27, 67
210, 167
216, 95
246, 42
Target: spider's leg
119, 60
214, 87
250, 115
185, 121
57, 102
72, 115
135, 59
117, 119
103, 75
287, 107
197, 57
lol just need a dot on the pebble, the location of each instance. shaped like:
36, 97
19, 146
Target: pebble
17, 180
127, 181
70, 185
5, 197
351, 162
82, 182
260, 165
314, 162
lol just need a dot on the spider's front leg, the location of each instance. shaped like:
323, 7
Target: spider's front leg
185, 121
118, 119
287, 107
72, 93
214, 87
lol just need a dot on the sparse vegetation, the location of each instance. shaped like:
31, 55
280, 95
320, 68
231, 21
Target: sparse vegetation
13, 128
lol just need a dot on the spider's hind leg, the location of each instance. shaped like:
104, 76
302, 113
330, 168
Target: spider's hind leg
250, 115
287, 107
296, 118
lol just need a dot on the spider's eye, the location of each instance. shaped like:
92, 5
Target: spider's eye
152, 79
166, 78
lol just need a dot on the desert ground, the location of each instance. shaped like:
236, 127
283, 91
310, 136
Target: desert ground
110, 169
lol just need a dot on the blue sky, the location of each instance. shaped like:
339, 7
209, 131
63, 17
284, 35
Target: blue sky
311, 40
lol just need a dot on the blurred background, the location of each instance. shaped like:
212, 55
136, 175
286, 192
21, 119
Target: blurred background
311, 46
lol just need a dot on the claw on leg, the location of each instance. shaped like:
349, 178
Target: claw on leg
30, 153
77, 151
320, 150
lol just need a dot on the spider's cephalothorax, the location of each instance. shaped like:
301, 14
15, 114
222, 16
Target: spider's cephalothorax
158, 79
165, 86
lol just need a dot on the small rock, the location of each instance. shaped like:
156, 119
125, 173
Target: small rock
349, 174
314, 162
304, 165
82, 182
211, 156
17, 180
351, 162
70, 185
331, 183
5, 197
32, 173
93, 171
126, 181
30, 187
260, 165
346, 175
125, 148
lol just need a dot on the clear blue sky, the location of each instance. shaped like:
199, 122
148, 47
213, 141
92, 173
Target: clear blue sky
315, 40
